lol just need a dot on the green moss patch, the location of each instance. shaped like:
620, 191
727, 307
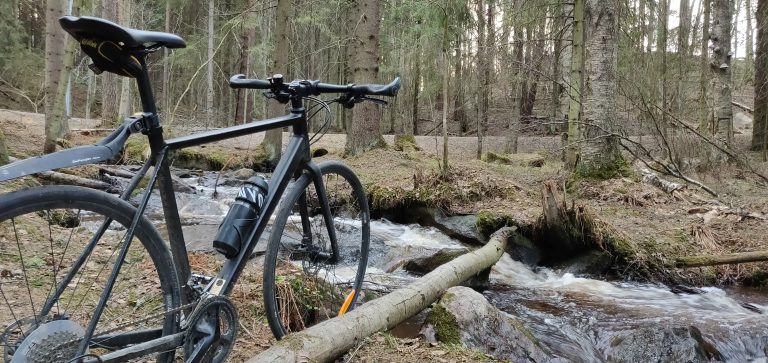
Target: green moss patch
445, 324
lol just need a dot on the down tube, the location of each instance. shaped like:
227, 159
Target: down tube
295, 154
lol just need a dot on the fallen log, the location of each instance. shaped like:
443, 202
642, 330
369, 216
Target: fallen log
62, 178
728, 259
331, 338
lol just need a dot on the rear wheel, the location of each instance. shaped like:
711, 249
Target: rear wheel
303, 283
54, 268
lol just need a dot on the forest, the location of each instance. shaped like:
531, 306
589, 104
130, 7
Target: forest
626, 141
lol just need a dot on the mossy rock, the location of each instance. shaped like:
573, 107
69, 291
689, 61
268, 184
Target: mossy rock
406, 143
445, 324
489, 222
532, 160
618, 168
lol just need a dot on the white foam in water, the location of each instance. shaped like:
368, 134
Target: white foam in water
710, 302
396, 235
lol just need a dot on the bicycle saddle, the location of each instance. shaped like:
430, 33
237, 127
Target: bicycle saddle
88, 26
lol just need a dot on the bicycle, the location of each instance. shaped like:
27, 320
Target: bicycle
86, 277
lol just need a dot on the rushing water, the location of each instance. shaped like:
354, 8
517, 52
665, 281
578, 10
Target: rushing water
579, 319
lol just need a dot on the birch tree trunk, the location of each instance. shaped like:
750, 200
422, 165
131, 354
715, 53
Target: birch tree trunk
721, 69
600, 154
365, 133
273, 139
760, 124
58, 63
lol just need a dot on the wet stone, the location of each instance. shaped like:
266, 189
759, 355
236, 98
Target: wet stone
465, 315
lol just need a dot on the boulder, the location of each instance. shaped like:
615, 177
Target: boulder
663, 344
464, 316
425, 264
462, 228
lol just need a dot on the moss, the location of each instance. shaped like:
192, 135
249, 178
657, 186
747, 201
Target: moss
488, 222
406, 143
135, 148
490, 157
616, 169
446, 326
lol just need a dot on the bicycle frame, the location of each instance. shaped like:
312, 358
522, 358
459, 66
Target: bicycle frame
296, 160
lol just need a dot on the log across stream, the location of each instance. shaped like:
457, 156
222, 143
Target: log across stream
577, 318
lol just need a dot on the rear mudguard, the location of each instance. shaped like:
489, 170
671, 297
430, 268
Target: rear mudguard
104, 150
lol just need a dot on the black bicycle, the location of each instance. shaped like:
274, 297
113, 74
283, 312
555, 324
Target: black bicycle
86, 277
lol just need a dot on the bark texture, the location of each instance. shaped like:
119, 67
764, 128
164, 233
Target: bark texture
517, 84
364, 132
331, 338
273, 139
720, 65
110, 85
575, 86
58, 62
599, 151
760, 124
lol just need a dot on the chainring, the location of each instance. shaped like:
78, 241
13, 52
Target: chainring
211, 330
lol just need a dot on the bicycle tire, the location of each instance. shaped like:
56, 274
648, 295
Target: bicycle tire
43, 231
298, 296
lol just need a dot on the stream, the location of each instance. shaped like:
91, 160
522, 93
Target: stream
574, 318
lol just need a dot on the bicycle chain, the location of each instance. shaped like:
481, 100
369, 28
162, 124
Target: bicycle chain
120, 327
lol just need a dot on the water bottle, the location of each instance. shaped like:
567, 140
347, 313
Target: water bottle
241, 217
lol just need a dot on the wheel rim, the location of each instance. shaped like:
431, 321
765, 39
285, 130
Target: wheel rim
39, 246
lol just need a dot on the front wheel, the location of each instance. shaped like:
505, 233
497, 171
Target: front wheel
305, 282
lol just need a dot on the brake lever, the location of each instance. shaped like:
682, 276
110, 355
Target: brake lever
374, 100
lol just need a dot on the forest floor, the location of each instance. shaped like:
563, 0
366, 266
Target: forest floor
660, 226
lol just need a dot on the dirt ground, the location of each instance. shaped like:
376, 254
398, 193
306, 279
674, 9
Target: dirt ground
660, 225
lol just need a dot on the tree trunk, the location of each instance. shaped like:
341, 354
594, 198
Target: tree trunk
58, 63
365, 132
446, 62
704, 112
517, 83
209, 69
575, 89
600, 154
331, 338
273, 139
683, 32
414, 130
481, 59
166, 95
244, 108
732, 258
126, 101
566, 51
721, 69
760, 124
110, 85
749, 40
